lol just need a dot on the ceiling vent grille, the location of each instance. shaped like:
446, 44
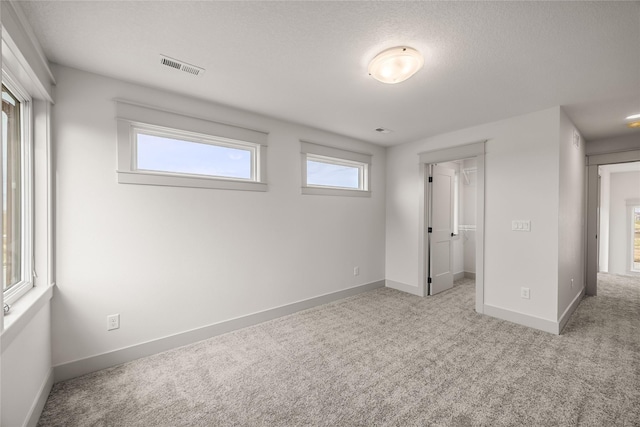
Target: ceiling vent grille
182, 66
383, 130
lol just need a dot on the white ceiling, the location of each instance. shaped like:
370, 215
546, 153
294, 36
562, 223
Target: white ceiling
306, 62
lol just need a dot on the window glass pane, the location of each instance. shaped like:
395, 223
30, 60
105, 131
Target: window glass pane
636, 238
11, 190
156, 153
332, 175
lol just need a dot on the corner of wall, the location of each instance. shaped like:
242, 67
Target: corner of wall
571, 215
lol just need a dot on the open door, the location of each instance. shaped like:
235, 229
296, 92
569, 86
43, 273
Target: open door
440, 229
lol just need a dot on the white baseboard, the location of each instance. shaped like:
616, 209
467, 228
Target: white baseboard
469, 275
569, 311
79, 367
458, 276
38, 403
410, 289
523, 319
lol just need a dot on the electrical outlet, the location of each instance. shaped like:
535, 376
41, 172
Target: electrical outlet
356, 271
524, 293
113, 322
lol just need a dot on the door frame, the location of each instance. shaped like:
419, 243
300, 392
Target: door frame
473, 150
593, 162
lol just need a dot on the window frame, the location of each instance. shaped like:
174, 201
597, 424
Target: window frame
10, 296
134, 118
336, 156
194, 138
632, 204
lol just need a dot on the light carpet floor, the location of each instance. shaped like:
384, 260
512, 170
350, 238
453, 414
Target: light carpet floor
382, 358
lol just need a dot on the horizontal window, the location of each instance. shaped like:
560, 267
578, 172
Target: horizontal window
158, 155
206, 157
333, 171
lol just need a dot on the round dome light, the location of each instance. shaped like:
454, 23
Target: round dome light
396, 65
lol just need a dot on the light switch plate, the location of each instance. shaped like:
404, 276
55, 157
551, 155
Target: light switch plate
521, 225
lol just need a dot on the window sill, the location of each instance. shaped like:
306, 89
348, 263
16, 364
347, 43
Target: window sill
22, 311
335, 192
184, 181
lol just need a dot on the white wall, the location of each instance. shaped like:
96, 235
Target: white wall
571, 255
521, 182
26, 371
169, 260
624, 186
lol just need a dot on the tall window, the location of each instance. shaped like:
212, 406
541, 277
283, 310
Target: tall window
635, 227
16, 245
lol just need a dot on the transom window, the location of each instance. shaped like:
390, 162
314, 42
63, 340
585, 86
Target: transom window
163, 151
334, 171
167, 148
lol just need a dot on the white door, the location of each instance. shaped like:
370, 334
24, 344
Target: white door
441, 230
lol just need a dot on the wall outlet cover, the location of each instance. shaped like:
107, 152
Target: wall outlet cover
113, 322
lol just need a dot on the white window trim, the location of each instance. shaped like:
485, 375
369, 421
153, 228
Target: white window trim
133, 117
22, 287
311, 151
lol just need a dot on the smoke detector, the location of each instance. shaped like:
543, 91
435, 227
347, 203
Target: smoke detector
181, 65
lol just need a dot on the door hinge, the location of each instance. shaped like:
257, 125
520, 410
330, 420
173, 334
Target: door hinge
430, 230
430, 179
429, 280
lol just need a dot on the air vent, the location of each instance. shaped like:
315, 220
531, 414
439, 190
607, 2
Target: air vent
182, 66
576, 139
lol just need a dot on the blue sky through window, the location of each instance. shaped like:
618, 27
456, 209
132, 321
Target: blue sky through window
156, 153
332, 175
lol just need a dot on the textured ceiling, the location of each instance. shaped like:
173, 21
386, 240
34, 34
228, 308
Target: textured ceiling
306, 62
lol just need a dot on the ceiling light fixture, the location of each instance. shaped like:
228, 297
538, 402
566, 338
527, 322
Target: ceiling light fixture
634, 125
633, 116
396, 65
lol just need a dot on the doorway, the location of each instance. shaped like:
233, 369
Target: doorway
438, 253
602, 253
619, 219
451, 223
